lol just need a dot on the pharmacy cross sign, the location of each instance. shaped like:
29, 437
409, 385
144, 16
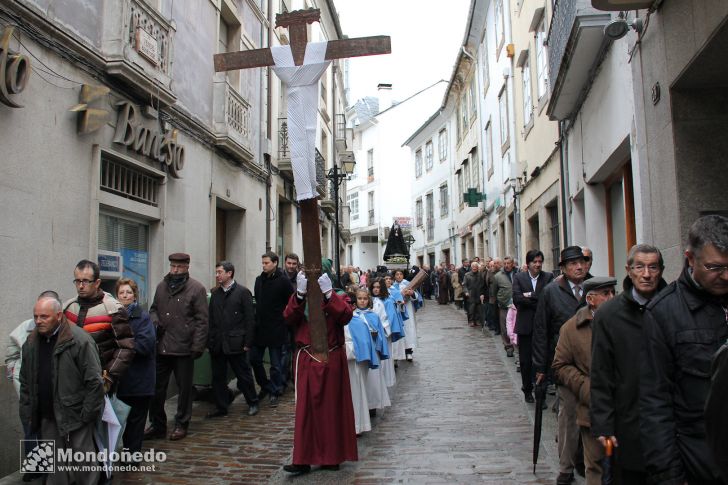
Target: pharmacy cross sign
472, 197
300, 65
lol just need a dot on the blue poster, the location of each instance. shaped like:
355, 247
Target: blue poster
136, 267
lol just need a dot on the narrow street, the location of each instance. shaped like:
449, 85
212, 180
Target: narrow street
457, 416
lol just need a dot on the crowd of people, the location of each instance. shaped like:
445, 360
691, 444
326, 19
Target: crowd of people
71, 357
632, 371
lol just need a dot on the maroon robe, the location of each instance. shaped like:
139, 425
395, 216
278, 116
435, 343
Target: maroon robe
325, 432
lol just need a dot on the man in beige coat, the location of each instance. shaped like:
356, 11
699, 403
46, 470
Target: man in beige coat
572, 365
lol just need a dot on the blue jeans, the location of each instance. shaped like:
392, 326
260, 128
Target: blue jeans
275, 384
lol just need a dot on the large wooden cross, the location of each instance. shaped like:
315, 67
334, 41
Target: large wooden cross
297, 22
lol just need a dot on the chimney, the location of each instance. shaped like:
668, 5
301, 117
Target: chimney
384, 93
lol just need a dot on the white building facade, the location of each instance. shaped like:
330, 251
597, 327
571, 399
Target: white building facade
380, 190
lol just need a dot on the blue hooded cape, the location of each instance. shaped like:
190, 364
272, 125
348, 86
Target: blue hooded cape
364, 347
396, 325
375, 324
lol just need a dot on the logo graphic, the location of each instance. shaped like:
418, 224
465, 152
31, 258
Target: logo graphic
41, 459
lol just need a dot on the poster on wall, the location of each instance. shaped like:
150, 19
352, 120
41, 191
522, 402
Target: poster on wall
110, 264
136, 267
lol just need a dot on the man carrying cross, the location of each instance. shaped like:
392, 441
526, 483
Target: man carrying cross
300, 65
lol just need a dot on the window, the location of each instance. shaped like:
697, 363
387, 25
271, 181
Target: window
444, 200
489, 148
430, 232
499, 26
464, 113
418, 212
486, 73
542, 70
527, 102
473, 99
442, 144
352, 200
370, 206
418, 163
466, 176
370, 164
503, 115
475, 168
228, 40
428, 155
130, 239
461, 191
555, 246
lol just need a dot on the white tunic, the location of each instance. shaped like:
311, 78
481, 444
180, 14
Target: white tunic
387, 365
410, 325
357, 378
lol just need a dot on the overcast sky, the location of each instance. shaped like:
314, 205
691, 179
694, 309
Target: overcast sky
426, 36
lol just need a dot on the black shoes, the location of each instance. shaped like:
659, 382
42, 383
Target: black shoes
529, 398
154, 434
509, 352
564, 479
297, 468
273, 400
253, 409
218, 413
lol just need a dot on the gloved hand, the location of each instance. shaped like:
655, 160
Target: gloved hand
325, 285
301, 283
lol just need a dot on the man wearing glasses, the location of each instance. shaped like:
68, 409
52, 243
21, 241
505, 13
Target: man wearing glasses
179, 311
104, 318
617, 337
684, 326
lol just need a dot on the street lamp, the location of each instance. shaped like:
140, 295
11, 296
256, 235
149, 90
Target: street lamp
409, 240
337, 176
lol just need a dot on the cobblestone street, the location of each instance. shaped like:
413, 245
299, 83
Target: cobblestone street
458, 416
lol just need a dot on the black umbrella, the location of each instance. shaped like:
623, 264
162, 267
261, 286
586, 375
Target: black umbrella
540, 399
607, 478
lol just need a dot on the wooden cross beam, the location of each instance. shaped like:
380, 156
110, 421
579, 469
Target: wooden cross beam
297, 22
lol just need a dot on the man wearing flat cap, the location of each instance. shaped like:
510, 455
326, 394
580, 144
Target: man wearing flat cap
559, 302
572, 365
179, 311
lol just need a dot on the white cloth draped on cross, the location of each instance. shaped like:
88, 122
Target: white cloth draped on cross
303, 93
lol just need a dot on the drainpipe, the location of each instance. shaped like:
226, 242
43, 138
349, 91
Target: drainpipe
268, 183
564, 156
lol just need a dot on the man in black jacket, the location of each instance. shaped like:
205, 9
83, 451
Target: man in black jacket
232, 327
272, 291
684, 326
616, 342
527, 287
559, 302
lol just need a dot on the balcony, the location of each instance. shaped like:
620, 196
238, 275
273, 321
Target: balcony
371, 217
320, 174
341, 141
284, 152
576, 46
231, 122
138, 49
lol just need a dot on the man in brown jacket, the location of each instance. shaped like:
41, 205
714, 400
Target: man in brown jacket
179, 311
572, 364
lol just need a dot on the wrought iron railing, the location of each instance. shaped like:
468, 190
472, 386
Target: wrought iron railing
559, 33
371, 217
320, 173
283, 148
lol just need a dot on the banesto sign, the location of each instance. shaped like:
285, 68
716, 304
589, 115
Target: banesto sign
159, 145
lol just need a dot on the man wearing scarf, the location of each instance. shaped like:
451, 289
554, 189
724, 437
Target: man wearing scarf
179, 312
